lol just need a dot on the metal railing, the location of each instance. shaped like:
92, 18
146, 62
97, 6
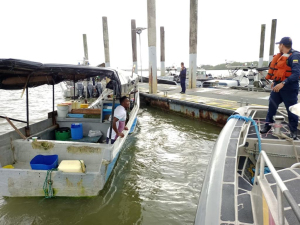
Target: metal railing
263, 159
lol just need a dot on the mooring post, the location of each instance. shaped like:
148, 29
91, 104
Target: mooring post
86, 54
262, 45
133, 41
151, 10
272, 41
162, 52
106, 41
193, 43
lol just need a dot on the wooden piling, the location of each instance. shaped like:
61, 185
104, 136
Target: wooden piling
133, 42
106, 41
193, 43
151, 11
272, 41
86, 54
262, 45
162, 52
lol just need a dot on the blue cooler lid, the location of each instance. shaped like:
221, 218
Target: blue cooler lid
76, 125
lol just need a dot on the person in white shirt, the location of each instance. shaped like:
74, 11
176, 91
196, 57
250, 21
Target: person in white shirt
119, 120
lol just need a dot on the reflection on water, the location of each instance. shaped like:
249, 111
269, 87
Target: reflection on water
157, 179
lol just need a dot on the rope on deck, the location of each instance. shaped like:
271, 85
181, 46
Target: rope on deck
247, 119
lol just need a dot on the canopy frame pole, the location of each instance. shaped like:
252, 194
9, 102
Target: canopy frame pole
16, 129
113, 111
21, 121
53, 99
74, 86
27, 129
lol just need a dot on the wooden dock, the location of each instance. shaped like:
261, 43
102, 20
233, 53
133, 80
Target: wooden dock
210, 104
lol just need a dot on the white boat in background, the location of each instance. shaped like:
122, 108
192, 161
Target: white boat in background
93, 159
219, 83
201, 74
250, 76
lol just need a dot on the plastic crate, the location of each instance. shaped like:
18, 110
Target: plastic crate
108, 111
75, 115
44, 162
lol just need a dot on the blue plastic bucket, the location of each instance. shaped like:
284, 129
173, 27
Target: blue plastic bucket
76, 131
44, 162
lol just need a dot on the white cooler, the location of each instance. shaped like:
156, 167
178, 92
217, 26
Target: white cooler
72, 166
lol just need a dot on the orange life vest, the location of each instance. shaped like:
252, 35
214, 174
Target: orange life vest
278, 69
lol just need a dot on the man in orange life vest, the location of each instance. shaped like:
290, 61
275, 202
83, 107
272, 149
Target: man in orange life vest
284, 70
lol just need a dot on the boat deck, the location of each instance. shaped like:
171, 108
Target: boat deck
291, 178
284, 129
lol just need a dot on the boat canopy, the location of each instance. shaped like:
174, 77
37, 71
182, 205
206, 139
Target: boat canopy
18, 74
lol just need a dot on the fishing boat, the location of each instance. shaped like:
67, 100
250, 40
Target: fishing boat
26, 154
252, 178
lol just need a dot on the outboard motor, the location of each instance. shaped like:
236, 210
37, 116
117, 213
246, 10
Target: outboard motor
80, 89
99, 88
95, 92
90, 90
251, 77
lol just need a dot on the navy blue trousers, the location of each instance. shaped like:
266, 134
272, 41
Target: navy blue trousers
182, 83
288, 97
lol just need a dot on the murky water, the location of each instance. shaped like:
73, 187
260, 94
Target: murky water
157, 179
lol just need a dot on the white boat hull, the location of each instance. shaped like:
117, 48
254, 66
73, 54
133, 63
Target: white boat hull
22, 181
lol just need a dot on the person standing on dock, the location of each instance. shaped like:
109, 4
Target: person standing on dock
119, 120
284, 70
182, 76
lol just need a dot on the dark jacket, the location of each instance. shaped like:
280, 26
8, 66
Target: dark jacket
183, 73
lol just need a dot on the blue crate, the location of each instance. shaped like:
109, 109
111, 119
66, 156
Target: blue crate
110, 104
44, 162
108, 111
75, 115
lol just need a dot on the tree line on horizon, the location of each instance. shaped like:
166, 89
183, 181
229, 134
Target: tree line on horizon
223, 65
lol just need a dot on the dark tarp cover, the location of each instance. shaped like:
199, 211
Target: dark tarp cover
16, 73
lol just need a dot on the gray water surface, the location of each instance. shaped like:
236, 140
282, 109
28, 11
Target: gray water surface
157, 178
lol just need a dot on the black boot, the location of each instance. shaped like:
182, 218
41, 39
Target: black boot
266, 129
294, 135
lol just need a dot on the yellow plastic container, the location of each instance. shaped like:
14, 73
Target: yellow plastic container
72, 166
84, 106
73, 105
77, 104
8, 167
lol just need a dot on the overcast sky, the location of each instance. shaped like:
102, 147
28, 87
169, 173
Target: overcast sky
51, 31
